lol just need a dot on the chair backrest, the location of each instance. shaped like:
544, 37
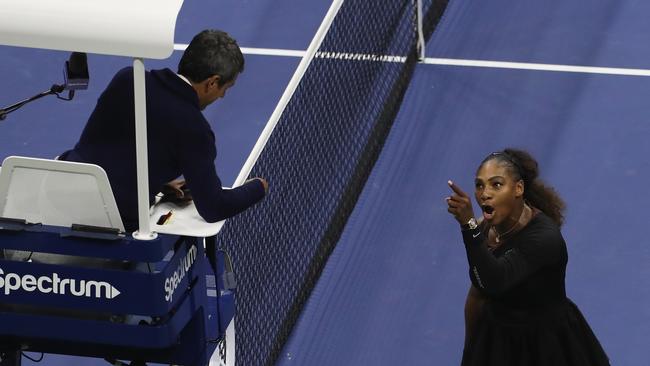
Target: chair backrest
58, 193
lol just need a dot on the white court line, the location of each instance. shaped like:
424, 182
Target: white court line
448, 62
256, 51
320, 54
272, 52
537, 67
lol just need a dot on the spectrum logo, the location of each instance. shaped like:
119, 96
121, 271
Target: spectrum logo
56, 285
172, 282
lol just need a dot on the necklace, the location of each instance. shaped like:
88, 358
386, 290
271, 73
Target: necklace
498, 237
514, 226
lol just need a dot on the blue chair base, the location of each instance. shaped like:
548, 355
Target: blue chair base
182, 296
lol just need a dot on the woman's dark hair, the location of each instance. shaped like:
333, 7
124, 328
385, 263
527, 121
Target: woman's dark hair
523, 166
211, 52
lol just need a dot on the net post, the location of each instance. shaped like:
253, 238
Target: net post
421, 43
288, 92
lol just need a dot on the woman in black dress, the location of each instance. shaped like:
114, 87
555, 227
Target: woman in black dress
517, 312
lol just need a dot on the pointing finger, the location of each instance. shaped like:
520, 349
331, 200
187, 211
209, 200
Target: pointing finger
456, 189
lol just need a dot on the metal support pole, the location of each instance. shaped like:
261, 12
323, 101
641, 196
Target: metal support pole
421, 42
142, 157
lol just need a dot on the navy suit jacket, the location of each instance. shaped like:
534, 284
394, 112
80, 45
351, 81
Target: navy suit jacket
180, 142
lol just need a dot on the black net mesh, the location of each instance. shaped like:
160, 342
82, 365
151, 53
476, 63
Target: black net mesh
317, 161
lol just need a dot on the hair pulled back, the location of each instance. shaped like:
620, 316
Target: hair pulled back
524, 167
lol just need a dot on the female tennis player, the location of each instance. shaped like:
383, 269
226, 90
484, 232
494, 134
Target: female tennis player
517, 312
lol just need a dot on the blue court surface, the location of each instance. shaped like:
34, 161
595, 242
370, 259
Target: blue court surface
392, 292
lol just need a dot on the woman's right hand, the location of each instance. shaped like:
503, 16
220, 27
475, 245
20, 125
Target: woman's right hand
459, 204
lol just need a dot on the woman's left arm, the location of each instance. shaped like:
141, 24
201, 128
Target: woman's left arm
540, 246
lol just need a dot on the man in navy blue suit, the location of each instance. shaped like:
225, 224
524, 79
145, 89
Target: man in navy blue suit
180, 139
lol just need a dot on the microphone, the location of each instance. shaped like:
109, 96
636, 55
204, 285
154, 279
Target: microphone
75, 72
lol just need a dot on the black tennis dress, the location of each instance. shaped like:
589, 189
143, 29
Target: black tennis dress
527, 319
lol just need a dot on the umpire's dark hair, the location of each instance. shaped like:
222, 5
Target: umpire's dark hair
523, 166
211, 52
